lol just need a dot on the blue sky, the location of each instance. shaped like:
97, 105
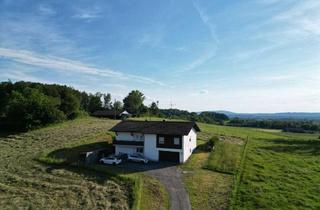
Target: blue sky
243, 56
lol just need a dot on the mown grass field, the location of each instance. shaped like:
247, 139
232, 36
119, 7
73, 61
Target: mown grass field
278, 171
27, 183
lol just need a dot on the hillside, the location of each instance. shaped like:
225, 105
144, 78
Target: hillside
274, 116
272, 170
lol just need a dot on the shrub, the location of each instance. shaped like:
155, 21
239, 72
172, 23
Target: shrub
213, 141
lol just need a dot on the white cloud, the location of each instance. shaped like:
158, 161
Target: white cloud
19, 75
200, 92
204, 91
206, 20
62, 64
46, 10
32, 32
88, 14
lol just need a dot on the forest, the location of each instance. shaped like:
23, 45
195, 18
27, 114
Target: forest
29, 105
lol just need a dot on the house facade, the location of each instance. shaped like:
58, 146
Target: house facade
156, 140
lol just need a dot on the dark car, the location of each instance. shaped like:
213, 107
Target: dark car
122, 156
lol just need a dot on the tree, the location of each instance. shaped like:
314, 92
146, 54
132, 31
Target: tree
69, 103
95, 102
154, 109
117, 105
133, 103
31, 108
107, 101
84, 102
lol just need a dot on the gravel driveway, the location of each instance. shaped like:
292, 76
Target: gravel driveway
170, 177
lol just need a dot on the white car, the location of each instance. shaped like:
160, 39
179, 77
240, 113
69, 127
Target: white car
137, 158
112, 160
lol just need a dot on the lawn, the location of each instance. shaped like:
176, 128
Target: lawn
27, 183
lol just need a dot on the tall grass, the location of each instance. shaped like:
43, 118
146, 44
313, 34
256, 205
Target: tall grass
224, 158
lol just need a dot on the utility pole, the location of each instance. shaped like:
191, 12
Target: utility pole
114, 108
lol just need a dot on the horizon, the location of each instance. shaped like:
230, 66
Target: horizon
261, 56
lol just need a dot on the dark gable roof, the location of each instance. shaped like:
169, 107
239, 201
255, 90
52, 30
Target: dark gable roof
105, 113
156, 127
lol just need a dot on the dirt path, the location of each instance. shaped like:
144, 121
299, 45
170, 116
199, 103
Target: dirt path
170, 177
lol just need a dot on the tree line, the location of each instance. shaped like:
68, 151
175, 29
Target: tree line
28, 105
205, 117
297, 126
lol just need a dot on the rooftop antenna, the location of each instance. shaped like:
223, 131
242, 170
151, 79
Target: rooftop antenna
171, 107
115, 111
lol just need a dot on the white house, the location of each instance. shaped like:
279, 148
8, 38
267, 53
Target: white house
157, 140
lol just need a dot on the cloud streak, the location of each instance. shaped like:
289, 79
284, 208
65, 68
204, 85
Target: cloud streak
211, 47
62, 64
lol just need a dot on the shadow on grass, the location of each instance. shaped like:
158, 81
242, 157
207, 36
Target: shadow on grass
70, 157
72, 154
308, 147
6, 134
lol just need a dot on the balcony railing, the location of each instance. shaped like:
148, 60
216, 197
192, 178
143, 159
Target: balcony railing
134, 143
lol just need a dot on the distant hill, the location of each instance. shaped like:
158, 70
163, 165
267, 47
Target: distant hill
274, 116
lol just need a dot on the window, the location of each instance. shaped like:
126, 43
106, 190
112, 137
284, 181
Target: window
161, 140
139, 150
190, 139
176, 141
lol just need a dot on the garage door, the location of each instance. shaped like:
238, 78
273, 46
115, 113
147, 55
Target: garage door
169, 156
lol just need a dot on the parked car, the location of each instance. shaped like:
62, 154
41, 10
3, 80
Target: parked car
137, 158
112, 160
122, 156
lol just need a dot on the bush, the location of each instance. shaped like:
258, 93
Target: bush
213, 141
27, 105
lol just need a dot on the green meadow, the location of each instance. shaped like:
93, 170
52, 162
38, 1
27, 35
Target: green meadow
247, 169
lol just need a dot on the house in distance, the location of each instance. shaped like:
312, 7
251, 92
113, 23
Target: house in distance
157, 140
112, 114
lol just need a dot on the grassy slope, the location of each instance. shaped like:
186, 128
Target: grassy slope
153, 195
280, 170
207, 189
27, 184
226, 157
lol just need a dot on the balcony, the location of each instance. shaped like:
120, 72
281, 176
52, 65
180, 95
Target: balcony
131, 143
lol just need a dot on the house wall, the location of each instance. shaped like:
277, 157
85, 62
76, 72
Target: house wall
127, 136
189, 144
151, 151
125, 149
150, 147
